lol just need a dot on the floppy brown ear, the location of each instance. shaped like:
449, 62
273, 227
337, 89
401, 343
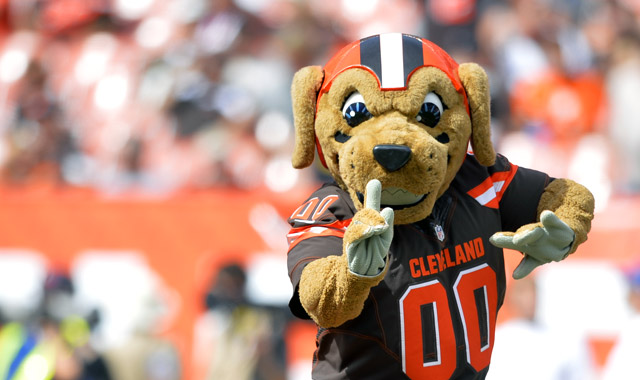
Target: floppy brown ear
476, 84
304, 91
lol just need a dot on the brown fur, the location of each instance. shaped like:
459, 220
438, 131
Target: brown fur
328, 291
351, 164
573, 204
476, 84
331, 306
304, 89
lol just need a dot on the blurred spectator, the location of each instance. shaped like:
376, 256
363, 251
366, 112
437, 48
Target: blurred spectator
54, 343
622, 362
137, 310
234, 339
38, 138
623, 87
525, 349
452, 24
144, 354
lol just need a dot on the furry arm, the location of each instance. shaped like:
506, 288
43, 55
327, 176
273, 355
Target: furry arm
331, 294
573, 204
565, 211
333, 290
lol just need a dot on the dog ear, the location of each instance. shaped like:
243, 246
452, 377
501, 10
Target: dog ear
476, 84
304, 91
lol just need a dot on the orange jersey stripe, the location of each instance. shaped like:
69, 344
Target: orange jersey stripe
296, 235
490, 191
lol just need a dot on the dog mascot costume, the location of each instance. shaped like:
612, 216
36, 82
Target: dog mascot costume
399, 261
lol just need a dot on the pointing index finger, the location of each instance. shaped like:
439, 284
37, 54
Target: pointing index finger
373, 194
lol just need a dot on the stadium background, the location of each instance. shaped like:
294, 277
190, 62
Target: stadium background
144, 144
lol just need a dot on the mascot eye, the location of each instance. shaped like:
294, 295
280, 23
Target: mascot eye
354, 110
431, 110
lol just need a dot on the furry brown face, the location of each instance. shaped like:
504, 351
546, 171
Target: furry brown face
413, 140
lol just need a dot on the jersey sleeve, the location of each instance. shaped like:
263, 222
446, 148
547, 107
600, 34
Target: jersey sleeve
317, 228
514, 191
521, 194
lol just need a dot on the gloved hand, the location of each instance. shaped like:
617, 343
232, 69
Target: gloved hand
368, 237
541, 243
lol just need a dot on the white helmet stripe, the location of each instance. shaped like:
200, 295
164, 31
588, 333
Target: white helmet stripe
392, 62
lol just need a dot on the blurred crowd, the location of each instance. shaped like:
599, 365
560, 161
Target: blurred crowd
53, 341
83, 325
156, 96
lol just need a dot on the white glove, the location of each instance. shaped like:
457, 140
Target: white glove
550, 240
369, 235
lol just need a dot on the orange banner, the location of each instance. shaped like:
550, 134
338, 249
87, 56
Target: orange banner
184, 238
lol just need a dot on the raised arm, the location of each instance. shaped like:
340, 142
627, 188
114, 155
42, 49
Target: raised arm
333, 289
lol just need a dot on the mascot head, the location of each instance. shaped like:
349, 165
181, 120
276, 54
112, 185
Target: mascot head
397, 108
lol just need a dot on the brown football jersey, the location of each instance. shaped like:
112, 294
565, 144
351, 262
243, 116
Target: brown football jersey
434, 314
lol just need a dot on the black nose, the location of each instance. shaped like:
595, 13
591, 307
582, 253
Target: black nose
392, 157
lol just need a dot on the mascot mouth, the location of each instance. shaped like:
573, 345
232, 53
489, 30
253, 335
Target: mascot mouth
397, 198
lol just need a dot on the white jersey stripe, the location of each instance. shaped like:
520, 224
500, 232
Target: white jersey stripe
487, 196
491, 193
391, 60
